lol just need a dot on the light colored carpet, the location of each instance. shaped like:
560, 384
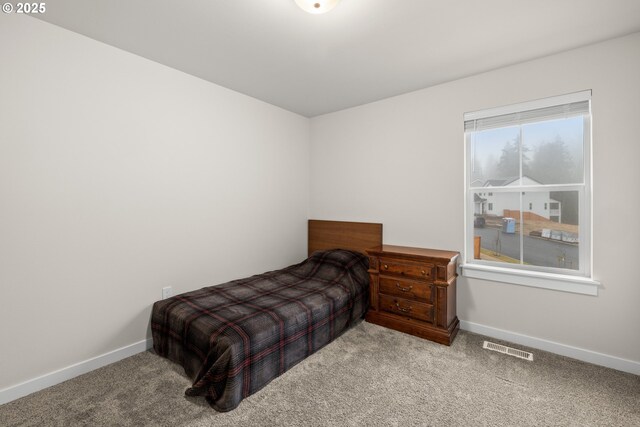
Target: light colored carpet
370, 376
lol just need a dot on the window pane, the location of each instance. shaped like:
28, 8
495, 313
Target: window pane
496, 226
527, 183
551, 235
495, 156
553, 151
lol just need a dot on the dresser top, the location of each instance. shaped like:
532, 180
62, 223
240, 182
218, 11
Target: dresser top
411, 252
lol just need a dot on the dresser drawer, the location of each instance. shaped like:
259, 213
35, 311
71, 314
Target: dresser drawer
418, 271
404, 307
405, 289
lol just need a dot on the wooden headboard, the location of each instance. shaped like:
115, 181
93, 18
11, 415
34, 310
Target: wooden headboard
356, 236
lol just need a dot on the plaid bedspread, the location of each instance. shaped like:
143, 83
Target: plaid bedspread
233, 339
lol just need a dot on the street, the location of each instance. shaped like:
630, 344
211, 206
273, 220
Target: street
537, 251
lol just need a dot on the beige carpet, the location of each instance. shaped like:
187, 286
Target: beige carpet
371, 376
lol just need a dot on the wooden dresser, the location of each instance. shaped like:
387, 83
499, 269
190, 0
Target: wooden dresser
413, 290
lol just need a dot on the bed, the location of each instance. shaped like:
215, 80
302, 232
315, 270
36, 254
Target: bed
233, 339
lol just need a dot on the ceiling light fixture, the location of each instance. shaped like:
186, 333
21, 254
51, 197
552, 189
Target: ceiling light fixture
317, 6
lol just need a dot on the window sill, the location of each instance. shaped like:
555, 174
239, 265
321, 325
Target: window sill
557, 282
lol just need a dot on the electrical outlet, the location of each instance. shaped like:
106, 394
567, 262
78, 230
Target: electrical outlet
167, 292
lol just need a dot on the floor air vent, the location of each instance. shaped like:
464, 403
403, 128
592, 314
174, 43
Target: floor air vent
508, 350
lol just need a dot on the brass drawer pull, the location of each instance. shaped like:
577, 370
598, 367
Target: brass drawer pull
386, 267
423, 272
403, 309
403, 289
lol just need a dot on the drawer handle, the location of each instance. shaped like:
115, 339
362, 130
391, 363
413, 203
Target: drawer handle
403, 309
423, 272
403, 289
386, 267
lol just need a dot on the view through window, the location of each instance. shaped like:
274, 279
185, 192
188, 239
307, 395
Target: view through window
528, 187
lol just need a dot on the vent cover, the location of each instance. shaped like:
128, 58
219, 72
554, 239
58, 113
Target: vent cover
508, 350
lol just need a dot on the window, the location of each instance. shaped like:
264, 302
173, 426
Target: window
531, 154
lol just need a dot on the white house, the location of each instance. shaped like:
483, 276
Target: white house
496, 203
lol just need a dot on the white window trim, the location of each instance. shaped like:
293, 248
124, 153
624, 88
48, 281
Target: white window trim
536, 279
580, 284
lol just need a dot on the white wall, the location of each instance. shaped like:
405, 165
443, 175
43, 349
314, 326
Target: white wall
400, 161
119, 176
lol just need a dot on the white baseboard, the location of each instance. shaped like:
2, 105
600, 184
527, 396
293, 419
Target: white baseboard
47, 380
554, 347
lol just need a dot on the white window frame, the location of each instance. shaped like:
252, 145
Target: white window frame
577, 281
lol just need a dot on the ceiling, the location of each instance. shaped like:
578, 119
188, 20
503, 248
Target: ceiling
361, 51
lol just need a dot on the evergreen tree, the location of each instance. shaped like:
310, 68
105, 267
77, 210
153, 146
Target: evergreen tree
509, 163
552, 164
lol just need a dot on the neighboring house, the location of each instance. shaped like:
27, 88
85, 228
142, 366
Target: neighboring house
477, 183
479, 204
537, 202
